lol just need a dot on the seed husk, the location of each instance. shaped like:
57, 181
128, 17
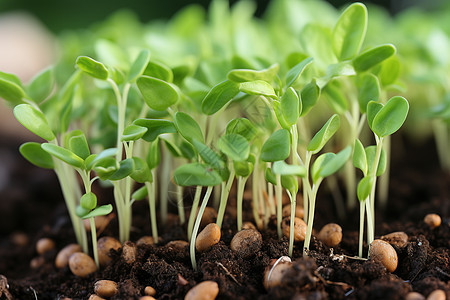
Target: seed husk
330, 234
129, 252
145, 240
62, 259
299, 228
274, 272
398, 239
44, 245
206, 290
248, 225
432, 220
209, 216
246, 242
208, 237
384, 253
104, 245
82, 264
105, 288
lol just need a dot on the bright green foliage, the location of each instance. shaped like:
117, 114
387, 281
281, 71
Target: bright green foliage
309, 95
291, 106
234, 146
133, 132
64, 154
372, 57
243, 75
139, 65
188, 127
41, 85
11, 90
196, 174
257, 87
36, 155
99, 211
276, 147
282, 168
155, 127
390, 117
243, 127
88, 201
324, 134
79, 146
34, 121
368, 90
296, 71
141, 172
364, 188
158, 94
92, 67
126, 168
219, 96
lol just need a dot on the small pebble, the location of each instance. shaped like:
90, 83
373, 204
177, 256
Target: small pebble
299, 228
149, 291
330, 234
44, 245
299, 211
206, 290
82, 264
105, 288
432, 220
398, 239
436, 295
246, 242
62, 259
129, 252
384, 253
37, 262
274, 272
208, 237
178, 245
95, 297
414, 296
145, 240
104, 246
248, 225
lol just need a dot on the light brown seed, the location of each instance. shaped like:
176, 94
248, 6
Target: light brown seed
299, 211
129, 252
82, 264
149, 291
19, 239
398, 239
44, 245
37, 262
414, 296
209, 216
433, 220
62, 259
248, 225
105, 288
246, 242
100, 222
299, 228
95, 297
145, 240
330, 234
436, 295
104, 245
274, 272
384, 253
146, 298
206, 290
208, 237
178, 245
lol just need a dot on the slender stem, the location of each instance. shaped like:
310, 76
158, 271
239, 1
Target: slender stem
383, 188
94, 240
225, 191
361, 227
292, 223
279, 196
373, 173
152, 206
312, 204
197, 225
370, 226
306, 186
180, 204
271, 200
255, 188
164, 184
240, 196
198, 192
118, 198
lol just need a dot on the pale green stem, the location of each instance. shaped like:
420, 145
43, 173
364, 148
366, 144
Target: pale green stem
361, 226
180, 204
383, 188
306, 186
152, 206
118, 198
379, 142
197, 225
255, 188
164, 184
198, 193
216, 196
370, 226
279, 196
225, 192
312, 205
271, 200
94, 241
240, 196
292, 222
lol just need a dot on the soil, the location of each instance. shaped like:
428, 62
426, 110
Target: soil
31, 207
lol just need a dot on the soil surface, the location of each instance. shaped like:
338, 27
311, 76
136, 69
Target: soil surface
31, 207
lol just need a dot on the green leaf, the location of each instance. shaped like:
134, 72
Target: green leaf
155, 127
359, 157
41, 85
270, 177
158, 70
372, 57
88, 201
391, 117
243, 75
36, 155
296, 71
372, 110
11, 91
99, 211
335, 97
282, 168
65, 155
243, 168
126, 167
318, 165
390, 71
154, 155
243, 127
370, 154
290, 106
290, 183
79, 146
140, 193
92, 67
335, 162
81, 212
211, 158
324, 134
349, 31
11, 77
158, 94
279, 114
308, 96
364, 188
276, 147
141, 171
105, 167
133, 133
172, 147
257, 87
34, 121
235, 146
368, 90
93, 159
139, 65
219, 96
196, 174
188, 127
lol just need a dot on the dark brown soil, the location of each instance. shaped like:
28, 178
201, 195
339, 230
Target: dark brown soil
31, 205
